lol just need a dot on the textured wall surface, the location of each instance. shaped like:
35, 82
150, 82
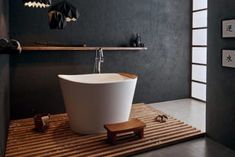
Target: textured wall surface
4, 100
3, 18
4, 78
220, 109
164, 69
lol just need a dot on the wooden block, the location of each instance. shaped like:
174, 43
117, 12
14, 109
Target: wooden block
129, 75
133, 125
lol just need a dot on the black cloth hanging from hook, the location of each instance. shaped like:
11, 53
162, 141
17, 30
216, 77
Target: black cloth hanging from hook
65, 9
56, 20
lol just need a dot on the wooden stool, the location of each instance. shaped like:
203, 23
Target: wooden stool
134, 125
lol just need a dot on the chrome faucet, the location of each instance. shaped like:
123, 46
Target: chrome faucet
99, 58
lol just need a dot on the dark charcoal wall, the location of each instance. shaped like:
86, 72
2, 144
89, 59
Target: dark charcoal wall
164, 69
4, 78
221, 86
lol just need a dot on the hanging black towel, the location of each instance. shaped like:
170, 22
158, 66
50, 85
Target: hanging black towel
56, 20
61, 13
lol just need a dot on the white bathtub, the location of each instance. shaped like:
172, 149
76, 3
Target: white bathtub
92, 100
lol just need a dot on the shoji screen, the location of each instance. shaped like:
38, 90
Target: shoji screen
199, 49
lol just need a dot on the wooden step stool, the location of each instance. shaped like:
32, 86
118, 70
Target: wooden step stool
134, 125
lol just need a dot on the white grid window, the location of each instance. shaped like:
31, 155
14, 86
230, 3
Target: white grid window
199, 49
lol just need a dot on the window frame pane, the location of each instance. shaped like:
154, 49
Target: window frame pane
200, 19
199, 37
199, 55
200, 4
199, 73
201, 94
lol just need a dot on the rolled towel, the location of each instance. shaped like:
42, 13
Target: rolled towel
9, 46
15, 45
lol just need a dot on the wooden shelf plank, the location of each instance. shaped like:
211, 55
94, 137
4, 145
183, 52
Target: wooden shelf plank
72, 48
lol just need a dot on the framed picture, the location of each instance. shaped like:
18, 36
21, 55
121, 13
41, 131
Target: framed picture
228, 28
228, 58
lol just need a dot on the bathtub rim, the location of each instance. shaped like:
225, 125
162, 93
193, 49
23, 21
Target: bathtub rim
129, 77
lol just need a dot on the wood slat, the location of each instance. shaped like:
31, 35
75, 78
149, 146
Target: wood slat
59, 140
46, 139
60, 131
157, 145
101, 148
149, 137
66, 140
89, 147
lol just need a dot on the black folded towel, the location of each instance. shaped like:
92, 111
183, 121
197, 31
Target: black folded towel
10, 46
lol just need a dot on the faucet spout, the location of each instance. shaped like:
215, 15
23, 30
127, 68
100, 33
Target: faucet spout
99, 58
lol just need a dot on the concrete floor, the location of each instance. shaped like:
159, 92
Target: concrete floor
202, 147
191, 112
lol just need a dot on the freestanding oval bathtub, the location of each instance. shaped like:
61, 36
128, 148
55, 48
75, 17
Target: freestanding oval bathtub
92, 100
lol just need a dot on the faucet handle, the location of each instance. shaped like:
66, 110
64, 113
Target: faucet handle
101, 53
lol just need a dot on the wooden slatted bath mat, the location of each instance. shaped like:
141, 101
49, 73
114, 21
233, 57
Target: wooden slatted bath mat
59, 140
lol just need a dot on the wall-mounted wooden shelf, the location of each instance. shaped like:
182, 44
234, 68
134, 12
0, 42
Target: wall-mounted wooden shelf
74, 48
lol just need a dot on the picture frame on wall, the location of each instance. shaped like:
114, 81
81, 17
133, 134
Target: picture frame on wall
228, 58
228, 28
